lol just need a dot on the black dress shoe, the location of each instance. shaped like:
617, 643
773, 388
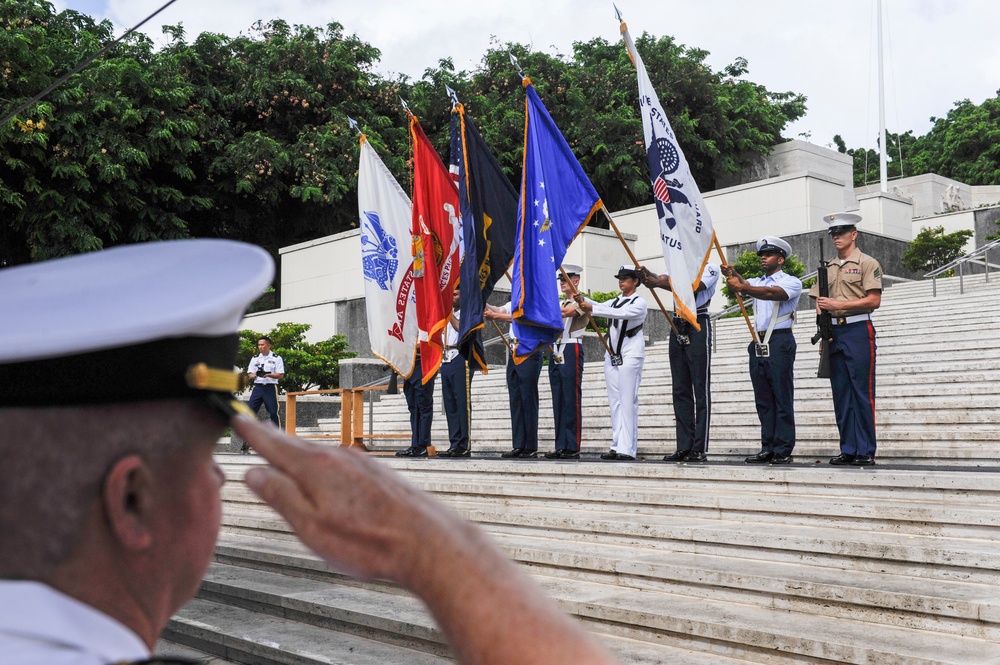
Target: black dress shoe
863, 460
569, 454
553, 454
842, 460
445, 453
511, 454
609, 455
529, 454
412, 452
697, 457
781, 459
763, 457
460, 452
678, 456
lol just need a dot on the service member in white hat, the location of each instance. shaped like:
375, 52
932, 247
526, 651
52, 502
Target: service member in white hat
623, 366
855, 281
118, 381
566, 371
775, 297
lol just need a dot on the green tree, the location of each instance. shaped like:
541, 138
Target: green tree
308, 366
748, 265
933, 248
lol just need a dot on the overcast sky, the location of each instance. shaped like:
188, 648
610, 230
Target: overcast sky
937, 51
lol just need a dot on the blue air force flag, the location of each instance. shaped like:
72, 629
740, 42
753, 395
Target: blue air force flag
557, 201
390, 300
685, 225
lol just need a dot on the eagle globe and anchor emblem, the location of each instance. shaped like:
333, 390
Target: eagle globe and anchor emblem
665, 160
379, 254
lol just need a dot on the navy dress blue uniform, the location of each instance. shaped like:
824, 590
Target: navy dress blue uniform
420, 402
456, 385
690, 373
522, 390
265, 389
566, 382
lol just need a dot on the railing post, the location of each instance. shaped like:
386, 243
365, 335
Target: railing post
961, 278
986, 257
358, 416
934, 286
346, 418
290, 413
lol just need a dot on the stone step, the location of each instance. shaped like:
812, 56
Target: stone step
676, 619
247, 636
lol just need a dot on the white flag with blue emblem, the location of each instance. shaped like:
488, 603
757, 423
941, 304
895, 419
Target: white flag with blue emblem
685, 225
390, 300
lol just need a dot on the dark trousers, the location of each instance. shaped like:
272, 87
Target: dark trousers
690, 374
420, 402
773, 393
522, 387
266, 394
456, 384
566, 381
852, 377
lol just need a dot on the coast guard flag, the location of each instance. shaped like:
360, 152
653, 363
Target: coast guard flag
489, 222
384, 210
557, 201
685, 225
435, 247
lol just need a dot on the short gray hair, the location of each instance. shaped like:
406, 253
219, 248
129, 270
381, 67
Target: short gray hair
55, 460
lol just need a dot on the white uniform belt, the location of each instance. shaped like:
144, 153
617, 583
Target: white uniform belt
844, 320
572, 340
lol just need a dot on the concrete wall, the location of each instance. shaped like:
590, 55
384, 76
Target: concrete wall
886, 214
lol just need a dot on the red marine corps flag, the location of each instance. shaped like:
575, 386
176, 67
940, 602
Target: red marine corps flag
436, 223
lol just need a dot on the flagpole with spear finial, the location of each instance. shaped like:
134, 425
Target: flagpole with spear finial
715, 239
635, 262
590, 318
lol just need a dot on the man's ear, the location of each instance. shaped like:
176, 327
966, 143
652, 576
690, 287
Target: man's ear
128, 502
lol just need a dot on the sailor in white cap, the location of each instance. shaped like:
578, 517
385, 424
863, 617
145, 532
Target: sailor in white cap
623, 366
691, 369
118, 381
855, 283
566, 371
775, 298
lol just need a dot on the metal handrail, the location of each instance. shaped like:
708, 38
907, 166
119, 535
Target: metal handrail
971, 257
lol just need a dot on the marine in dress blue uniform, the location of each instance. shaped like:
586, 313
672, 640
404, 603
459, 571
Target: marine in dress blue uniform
691, 369
420, 402
456, 387
566, 372
626, 316
775, 298
522, 391
265, 370
855, 281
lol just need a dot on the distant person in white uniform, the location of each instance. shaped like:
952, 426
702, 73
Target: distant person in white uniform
775, 297
623, 366
110, 496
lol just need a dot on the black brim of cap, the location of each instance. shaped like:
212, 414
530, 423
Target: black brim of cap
143, 372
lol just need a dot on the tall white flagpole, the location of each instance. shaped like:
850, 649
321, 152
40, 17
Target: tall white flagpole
884, 148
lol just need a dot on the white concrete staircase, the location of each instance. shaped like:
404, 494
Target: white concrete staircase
690, 564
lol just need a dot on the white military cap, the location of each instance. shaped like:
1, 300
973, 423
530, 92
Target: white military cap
139, 322
627, 271
841, 221
571, 269
774, 244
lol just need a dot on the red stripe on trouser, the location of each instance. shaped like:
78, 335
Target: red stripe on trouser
871, 370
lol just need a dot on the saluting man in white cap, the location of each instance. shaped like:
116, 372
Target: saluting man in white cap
775, 297
855, 292
118, 382
623, 366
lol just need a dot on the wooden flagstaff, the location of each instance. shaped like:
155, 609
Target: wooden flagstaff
635, 262
746, 317
586, 313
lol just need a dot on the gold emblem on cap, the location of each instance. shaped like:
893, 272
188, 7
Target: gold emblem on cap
203, 377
